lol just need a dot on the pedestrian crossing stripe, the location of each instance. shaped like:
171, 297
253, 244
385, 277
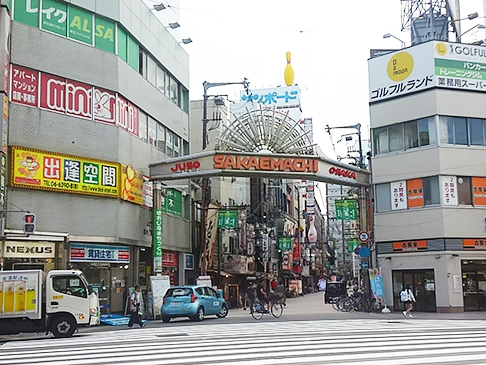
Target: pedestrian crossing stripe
265, 343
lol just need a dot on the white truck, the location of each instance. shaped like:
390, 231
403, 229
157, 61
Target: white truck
57, 302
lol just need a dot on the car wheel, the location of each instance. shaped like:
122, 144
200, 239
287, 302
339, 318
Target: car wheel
200, 315
224, 311
166, 319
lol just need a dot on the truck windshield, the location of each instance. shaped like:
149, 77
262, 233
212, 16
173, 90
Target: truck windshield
85, 281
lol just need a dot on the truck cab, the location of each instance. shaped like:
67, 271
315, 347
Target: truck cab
70, 301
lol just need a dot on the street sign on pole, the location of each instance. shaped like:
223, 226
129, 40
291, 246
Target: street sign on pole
364, 237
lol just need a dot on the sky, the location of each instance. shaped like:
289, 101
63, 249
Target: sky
329, 41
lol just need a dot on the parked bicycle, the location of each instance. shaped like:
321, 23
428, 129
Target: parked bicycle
357, 302
257, 309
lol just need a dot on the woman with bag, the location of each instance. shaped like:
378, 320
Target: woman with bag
407, 298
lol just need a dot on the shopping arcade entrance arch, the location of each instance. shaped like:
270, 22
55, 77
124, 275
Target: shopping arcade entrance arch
254, 146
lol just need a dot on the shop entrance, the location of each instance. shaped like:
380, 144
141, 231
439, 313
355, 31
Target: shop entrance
422, 283
474, 285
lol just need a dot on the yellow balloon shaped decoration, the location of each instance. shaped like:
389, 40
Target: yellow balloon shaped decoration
289, 72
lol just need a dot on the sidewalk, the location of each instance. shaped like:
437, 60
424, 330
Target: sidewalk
314, 304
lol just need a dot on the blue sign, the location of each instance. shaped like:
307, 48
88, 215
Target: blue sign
364, 265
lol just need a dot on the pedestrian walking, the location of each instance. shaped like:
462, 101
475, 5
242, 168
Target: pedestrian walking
134, 307
280, 290
407, 298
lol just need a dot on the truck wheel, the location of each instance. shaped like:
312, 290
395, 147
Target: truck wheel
63, 326
165, 319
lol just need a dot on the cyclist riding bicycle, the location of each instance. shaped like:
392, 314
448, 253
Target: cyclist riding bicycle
262, 295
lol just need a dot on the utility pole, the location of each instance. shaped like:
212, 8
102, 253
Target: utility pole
205, 180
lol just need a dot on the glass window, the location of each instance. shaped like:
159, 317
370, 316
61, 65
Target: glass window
411, 135
151, 70
160, 79
445, 130
383, 197
167, 84
380, 140
70, 285
184, 97
431, 190
475, 127
170, 143
185, 148
460, 131
152, 131
177, 146
464, 191
161, 137
142, 63
142, 125
427, 131
132, 52
395, 135
174, 90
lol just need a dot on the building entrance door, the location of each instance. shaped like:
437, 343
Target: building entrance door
474, 285
422, 283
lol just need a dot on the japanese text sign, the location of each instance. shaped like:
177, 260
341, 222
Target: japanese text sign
98, 253
64, 173
347, 209
285, 243
228, 219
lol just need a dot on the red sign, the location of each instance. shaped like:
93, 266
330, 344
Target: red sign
77, 253
169, 259
78, 99
342, 172
53, 93
123, 254
186, 166
24, 86
407, 246
127, 115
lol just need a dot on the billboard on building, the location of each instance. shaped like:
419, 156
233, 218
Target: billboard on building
428, 65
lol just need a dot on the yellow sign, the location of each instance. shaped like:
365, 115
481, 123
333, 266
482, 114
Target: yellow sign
44, 170
400, 66
131, 185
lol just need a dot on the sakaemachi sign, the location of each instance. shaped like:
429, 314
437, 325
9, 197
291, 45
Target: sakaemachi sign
225, 163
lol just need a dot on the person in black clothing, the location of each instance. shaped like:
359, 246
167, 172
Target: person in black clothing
262, 295
134, 306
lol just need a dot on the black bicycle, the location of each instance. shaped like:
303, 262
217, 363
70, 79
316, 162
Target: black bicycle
257, 308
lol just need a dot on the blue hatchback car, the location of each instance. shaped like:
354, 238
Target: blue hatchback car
193, 301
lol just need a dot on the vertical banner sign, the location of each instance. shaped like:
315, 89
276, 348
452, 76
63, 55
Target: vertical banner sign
3, 181
242, 215
347, 209
398, 195
448, 188
265, 249
376, 283
352, 243
80, 25
157, 240
211, 234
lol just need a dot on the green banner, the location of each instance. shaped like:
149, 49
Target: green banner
157, 240
285, 243
228, 219
352, 243
122, 44
133, 56
347, 209
27, 12
80, 25
172, 203
54, 17
104, 34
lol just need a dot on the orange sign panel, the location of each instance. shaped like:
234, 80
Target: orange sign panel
408, 246
131, 184
479, 190
473, 244
415, 193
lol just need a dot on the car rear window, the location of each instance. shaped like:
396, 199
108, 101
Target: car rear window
178, 292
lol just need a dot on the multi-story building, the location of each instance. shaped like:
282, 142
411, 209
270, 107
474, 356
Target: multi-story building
94, 91
428, 124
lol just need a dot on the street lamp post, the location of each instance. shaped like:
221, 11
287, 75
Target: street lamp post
205, 180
